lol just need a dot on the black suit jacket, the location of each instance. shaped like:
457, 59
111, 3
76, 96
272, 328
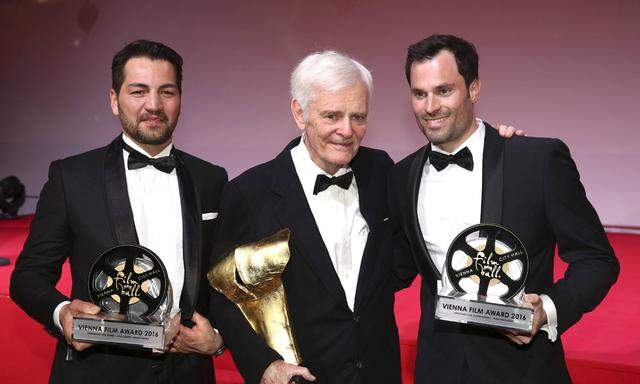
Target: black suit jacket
531, 186
83, 210
336, 344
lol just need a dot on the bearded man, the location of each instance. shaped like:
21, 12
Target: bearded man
137, 190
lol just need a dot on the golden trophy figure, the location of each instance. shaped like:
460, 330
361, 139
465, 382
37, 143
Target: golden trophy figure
251, 277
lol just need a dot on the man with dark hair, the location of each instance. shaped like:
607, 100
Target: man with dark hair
467, 175
137, 190
463, 52
150, 50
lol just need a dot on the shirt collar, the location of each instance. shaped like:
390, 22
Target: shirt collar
307, 170
165, 152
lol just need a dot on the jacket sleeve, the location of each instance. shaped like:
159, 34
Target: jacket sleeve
39, 265
250, 352
582, 242
404, 267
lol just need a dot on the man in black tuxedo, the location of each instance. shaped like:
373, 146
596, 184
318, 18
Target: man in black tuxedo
330, 192
137, 190
467, 175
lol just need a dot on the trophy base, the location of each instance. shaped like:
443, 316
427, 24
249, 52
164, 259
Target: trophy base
125, 330
479, 310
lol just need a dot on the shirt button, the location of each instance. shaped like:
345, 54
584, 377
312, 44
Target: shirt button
359, 365
356, 318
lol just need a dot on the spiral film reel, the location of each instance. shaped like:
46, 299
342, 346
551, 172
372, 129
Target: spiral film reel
129, 279
487, 260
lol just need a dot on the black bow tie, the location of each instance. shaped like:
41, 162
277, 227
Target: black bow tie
137, 160
323, 182
440, 160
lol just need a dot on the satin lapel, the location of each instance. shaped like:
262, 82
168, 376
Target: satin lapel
117, 196
293, 212
415, 232
492, 177
366, 196
368, 209
191, 237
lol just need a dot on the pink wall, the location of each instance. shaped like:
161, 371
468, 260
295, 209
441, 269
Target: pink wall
566, 69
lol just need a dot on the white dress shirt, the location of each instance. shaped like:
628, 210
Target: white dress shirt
450, 201
157, 214
337, 214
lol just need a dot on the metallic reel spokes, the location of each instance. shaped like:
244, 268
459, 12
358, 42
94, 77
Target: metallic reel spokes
128, 279
487, 260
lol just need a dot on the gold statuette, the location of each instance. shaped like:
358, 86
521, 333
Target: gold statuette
251, 277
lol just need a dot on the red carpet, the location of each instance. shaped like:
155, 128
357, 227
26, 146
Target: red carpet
603, 347
27, 350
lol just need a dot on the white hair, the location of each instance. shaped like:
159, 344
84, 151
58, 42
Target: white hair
329, 70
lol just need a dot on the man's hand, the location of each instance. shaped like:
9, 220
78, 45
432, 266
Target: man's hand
508, 131
280, 372
201, 338
67, 312
539, 319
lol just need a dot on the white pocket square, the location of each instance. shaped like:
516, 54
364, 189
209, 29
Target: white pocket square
209, 216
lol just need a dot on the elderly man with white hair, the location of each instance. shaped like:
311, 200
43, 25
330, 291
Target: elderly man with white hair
330, 193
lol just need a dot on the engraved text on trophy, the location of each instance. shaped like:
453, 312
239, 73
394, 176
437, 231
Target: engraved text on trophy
127, 285
486, 265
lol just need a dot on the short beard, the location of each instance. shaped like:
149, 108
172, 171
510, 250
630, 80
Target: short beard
133, 130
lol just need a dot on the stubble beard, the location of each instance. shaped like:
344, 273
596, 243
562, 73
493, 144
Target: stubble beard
441, 136
450, 134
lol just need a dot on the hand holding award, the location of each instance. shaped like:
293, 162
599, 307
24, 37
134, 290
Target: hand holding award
483, 280
130, 285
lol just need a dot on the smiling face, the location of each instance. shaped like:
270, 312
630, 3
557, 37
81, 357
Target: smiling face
148, 103
334, 124
441, 102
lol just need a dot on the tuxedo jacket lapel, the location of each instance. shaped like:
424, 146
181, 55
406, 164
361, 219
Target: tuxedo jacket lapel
492, 177
117, 196
413, 225
361, 173
372, 214
191, 238
292, 211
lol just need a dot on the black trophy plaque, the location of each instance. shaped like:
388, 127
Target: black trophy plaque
483, 280
131, 286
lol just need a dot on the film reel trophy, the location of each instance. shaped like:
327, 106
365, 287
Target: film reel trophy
131, 286
483, 280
